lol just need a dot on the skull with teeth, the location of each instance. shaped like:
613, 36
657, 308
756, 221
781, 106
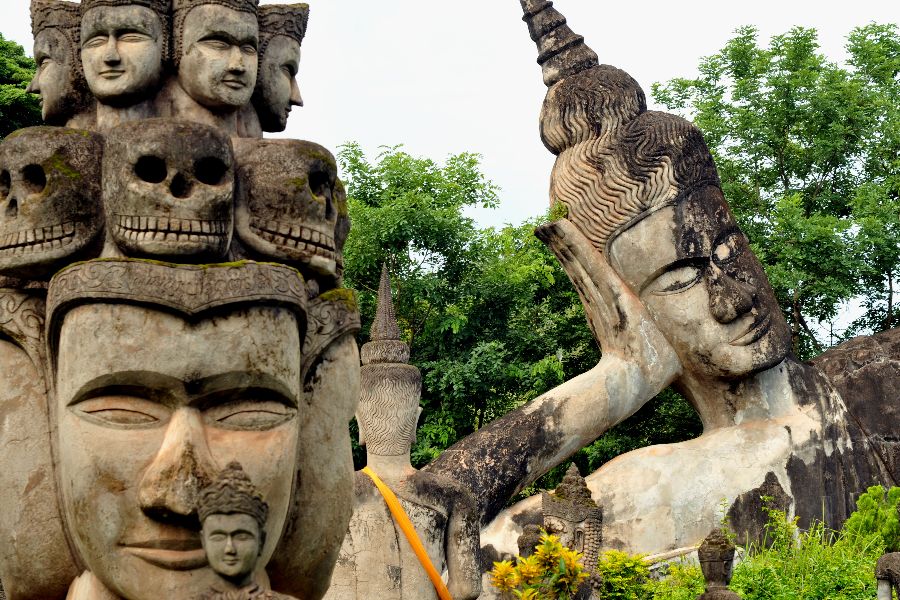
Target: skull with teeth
168, 189
289, 204
49, 199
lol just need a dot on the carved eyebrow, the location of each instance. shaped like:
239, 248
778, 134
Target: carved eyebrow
240, 385
148, 385
229, 37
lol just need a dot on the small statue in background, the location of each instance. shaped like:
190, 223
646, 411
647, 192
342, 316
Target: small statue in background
716, 556
374, 561
233, 518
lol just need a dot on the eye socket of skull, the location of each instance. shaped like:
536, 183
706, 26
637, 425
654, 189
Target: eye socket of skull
287, 207
168, 189
49, 199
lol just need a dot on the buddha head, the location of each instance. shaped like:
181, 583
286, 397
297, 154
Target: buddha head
389, 408
643, 189
59, 79
142, 426
216, 51
571, 514
281, 31
233, 519
124, 46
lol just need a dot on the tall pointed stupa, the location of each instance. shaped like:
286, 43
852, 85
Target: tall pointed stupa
561, 52
385, 345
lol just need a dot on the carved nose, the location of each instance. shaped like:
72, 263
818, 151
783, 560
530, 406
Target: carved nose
33, 86
111, 53
183, 466
296, 98
728, 297
236, 61
12, 208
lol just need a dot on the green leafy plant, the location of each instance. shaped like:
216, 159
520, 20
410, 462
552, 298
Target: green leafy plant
553, 572
876, 513
622, 576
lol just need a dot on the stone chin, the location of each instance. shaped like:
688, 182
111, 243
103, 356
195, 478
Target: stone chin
301, 244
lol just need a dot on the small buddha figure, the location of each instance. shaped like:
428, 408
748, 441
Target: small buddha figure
281, 31
59, 79
374, 561
716, 555
124, 46
216, 46
233, 519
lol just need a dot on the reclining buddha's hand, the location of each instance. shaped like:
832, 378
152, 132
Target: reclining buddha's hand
621, 324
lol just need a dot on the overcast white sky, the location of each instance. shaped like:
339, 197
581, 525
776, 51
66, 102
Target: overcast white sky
448, 77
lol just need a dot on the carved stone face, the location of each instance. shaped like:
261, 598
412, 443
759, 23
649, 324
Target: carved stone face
277, 90
49, 198
122, 50
286, 208
168, 189
232, 544
54, 77
705, 289
571, 535
144, 425
219, 64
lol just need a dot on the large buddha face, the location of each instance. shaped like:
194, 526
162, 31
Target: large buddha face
704, 287
144, 424
219, 62
122, 53
277, 90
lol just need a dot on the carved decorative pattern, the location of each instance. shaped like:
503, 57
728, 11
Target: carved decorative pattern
328, 317
22, 319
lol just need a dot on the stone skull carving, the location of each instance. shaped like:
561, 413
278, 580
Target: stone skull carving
49, 199
168, 189
290, 204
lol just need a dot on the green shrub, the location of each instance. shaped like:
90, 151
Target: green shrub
876, 512
623, 576
684, 582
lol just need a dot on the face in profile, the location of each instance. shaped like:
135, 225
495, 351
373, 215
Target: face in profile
232, 545
122, 50
144, 424
219, 65
53, 54
706, 290
277, 90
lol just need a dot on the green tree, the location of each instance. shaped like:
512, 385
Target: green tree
18, 108
807, 151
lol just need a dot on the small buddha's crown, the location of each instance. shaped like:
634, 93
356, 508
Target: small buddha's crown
55, 14
385, 345
716, 547
232, 492
571, 501
161, 7
282, 19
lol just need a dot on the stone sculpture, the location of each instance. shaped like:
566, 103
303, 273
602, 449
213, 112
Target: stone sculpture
216, 57
716, 556
168, 189
129, 383
281, 31
375, 562
59, 79
49, 192
674, 295
124, 45
233, 519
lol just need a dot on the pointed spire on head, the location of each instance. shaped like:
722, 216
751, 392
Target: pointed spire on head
561, 52
385, 344
385, 327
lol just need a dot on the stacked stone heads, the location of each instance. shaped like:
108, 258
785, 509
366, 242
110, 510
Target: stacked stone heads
169, 311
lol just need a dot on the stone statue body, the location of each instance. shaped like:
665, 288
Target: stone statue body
376, 560
675, 296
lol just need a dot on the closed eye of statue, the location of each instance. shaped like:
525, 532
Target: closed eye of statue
675, 280
253, 415
122, 411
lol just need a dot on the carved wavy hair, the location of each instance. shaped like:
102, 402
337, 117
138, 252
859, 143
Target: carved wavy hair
389, 407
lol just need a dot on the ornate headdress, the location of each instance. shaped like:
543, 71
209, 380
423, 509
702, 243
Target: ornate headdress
181, 8
282, 19
571, 501
65, 17
232, 492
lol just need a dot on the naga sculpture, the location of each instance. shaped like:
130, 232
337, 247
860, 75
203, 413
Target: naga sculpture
674, 295
130, 382
375, 560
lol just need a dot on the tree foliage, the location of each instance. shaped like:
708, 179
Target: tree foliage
18, 108
808, 155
